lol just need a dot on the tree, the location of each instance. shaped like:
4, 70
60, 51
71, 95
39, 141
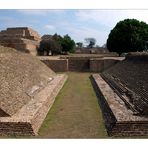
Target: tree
79, 44
67, 44
56, 37
128, 35
49, 46
91, 42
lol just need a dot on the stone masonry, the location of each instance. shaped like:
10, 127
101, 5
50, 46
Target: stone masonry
21, 38
119, 120
123, 95
83, 64
27, 91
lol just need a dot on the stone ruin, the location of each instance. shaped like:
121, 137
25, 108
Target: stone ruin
21, 38
27, 91
123, 93
85, 50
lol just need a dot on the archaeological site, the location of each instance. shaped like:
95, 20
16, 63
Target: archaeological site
27, 91
30, 83
21, 38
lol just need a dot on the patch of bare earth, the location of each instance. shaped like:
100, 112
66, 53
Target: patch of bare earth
75, 113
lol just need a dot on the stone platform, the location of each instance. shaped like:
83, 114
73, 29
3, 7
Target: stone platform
119, 120
29, 118
27, 91
23, 39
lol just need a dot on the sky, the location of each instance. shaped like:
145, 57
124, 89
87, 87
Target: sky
78, 24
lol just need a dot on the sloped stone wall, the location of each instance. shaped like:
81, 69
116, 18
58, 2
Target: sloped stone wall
57, 65
27, 121
119, 120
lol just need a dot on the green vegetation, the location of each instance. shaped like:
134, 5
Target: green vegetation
56, 45
75, 112
128, 35
67, 44
48, 46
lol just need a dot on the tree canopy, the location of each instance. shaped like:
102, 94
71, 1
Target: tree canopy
56, 44
67, 44
49, 46
129, 35
91, 42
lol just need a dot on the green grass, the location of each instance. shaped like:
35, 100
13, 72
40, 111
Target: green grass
75, 112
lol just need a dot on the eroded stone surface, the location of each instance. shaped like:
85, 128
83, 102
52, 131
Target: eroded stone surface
27, 91
119, 120
21, 38
31, 115
19, 74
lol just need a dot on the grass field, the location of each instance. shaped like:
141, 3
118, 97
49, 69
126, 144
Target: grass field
75, 112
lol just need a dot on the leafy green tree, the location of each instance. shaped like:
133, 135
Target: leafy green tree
129, 35
56, 44
49, 46
67, 44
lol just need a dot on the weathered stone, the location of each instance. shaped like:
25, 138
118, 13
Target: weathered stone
132, 73
27, 91
119, 120
91, 63
123, 94
21, 38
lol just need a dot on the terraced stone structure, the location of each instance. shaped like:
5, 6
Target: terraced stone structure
21, 38
123, 90
27, 91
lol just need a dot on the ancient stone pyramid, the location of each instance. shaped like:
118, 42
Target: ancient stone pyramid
27, 90
21, 38
20, 76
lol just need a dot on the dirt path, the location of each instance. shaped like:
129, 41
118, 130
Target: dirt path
75, 113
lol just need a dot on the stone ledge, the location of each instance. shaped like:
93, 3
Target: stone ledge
119, 120
30, 117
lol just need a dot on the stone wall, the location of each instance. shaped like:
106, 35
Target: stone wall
119, 119
96, 65
83, 64
27, 121
57, 65
21, 75
91, 50
79, 64
99, 65
22, 38
130, 76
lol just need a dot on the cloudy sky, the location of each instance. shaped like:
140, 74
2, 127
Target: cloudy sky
79, 24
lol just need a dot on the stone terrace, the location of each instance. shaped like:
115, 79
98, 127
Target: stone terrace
119, 119
124, 96
21, 38
27, 91
131, 75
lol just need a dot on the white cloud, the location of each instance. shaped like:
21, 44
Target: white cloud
50, 27
39, 11
80, 33
111, 17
